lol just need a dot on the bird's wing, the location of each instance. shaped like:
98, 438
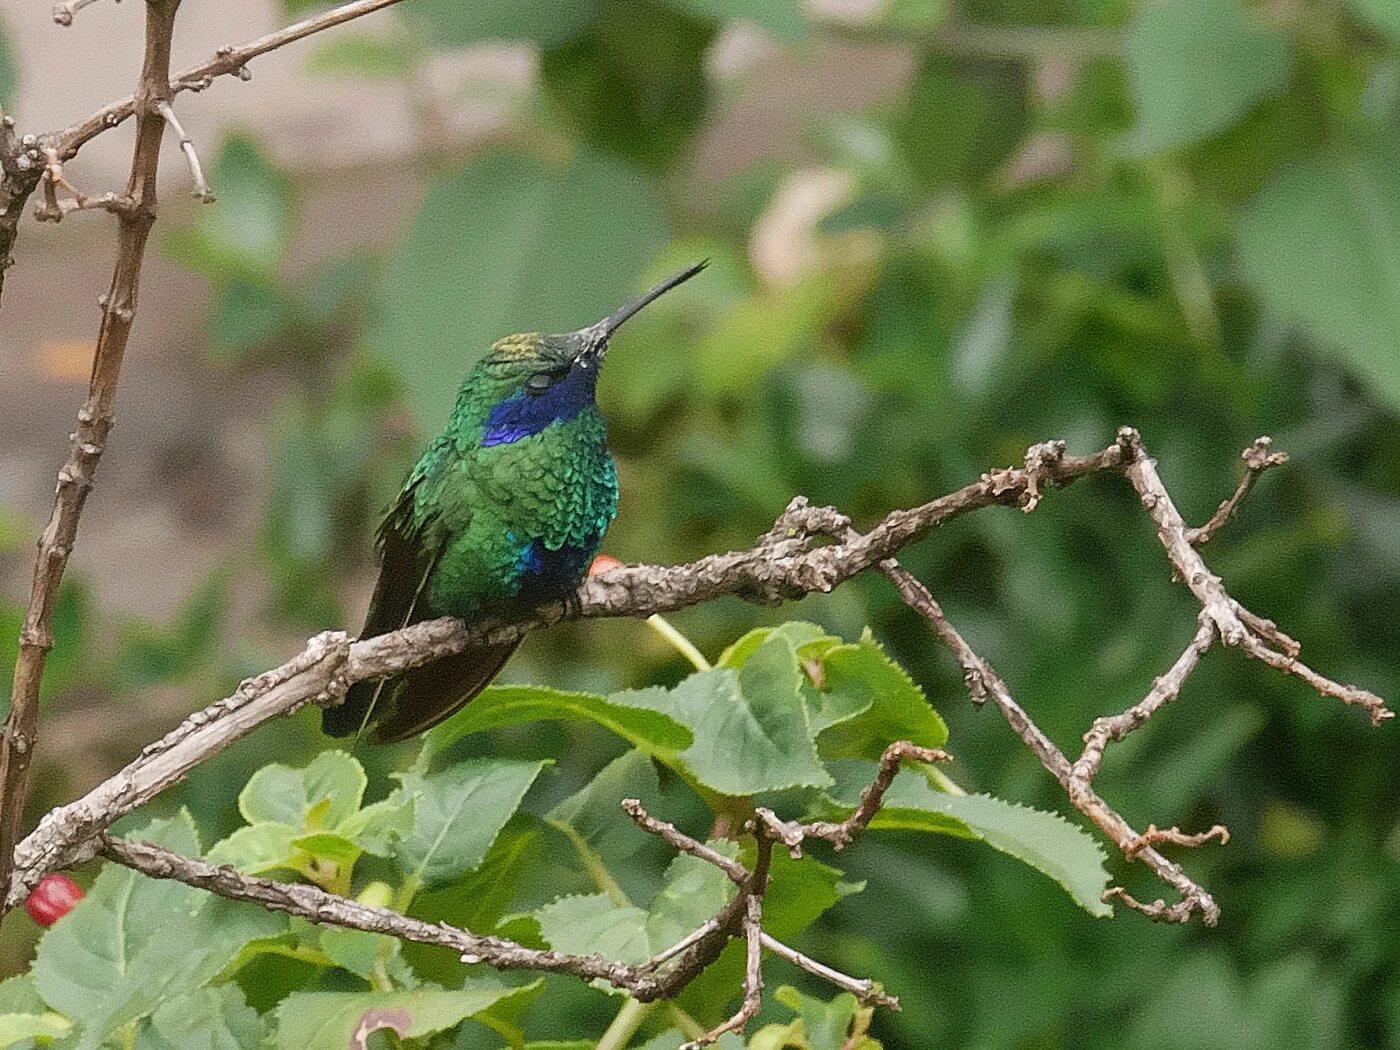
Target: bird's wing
407, 551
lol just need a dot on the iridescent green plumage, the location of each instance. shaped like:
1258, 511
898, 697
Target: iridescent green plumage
503, 512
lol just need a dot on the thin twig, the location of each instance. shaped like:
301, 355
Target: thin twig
63, 13
683, 842
865, 990
227, 61
843, 833
1174, 835
201, 184
89, 438
1258, 458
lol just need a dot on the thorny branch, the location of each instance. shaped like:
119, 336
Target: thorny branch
25, 161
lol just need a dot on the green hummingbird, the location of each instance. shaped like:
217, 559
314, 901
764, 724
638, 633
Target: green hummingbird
504, 512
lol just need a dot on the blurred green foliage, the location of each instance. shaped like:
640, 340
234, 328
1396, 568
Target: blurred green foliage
1063, 217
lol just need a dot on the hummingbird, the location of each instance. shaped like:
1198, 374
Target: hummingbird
503, 512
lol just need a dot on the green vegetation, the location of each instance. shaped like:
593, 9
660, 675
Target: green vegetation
1058, 218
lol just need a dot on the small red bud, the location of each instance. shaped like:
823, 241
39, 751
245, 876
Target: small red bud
603, 563
53, 898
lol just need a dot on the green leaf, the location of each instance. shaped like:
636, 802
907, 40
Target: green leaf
1196, 66
322, 794
80, 959
248, 229
819, 1025
19, 1028
257, 849
1319, 245
593, 923
357, 950
186, 953
868, 701
750, 725
451, 23
655, 732
362, 55
328, 846
19, 996
799, 893
460, 810
785, 19
376, 827
9, 70
501, 246
330, 1020
693, 891
1045, 841
208, 1019
594, 813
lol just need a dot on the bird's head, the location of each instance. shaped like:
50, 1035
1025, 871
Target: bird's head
528, 382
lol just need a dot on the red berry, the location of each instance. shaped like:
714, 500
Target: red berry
53, 898
603, 563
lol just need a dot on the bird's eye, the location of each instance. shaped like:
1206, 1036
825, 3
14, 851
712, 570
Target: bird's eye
538, 383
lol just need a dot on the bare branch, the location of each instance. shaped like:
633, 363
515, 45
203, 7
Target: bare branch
1174, 835
89, 438
787, 561
683, 842
201, 184
227, 61
866, 991
63, 13
901, 751
1258, 458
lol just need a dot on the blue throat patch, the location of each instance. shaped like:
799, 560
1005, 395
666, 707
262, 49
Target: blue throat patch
522, 414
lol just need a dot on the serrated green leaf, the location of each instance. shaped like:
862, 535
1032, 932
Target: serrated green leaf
692, 892
376, 827
333, 781
209, 1019
819, 1025
592, 922
800, 892
328, 1020
809, 639
482, 258
750, 726
1318, 246
460, 810
257, 849
869, 701
80, 959
186, 953
652, 731
248, 229
1197, 66
1045, 841
18, 995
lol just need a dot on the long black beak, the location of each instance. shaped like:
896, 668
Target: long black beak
598, 334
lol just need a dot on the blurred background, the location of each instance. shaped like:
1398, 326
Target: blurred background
940, 231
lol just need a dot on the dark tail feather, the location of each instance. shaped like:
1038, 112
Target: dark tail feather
349, 715
419, 699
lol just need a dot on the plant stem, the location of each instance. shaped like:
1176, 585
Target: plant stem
682, 644
624, 1025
